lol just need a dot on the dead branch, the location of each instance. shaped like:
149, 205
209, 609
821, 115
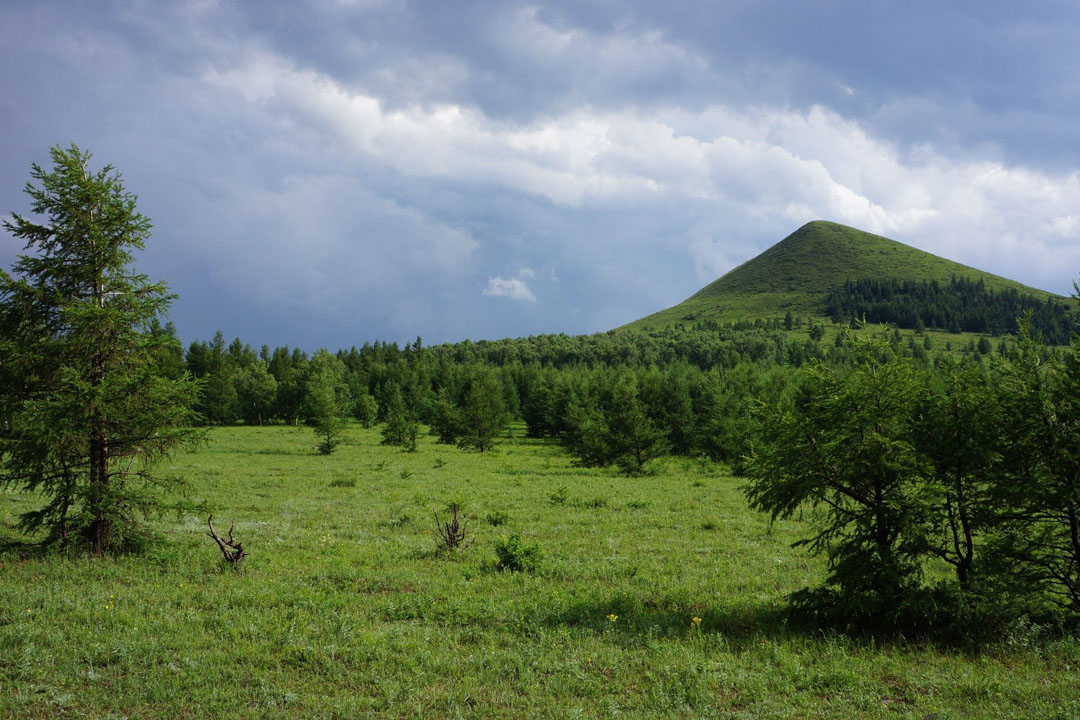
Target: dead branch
232, 549
451, 534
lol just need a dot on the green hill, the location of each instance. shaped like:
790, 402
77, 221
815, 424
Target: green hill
796, 275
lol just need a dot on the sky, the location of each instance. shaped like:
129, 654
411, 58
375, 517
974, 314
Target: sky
328, 173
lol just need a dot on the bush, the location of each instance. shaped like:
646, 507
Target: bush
514, 555
496, 518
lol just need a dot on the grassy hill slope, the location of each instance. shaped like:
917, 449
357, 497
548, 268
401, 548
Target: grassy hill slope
796, 274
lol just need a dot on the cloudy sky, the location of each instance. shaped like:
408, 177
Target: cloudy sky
325, 173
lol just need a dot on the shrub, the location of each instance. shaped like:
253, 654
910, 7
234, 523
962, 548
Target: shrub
514, 555
496, 518
560, 496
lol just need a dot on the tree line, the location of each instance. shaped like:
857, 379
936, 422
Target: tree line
683, 390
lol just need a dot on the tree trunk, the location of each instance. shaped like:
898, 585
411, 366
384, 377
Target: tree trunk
100, 530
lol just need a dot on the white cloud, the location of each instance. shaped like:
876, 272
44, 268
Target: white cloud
768, 167
616, 60
512, 288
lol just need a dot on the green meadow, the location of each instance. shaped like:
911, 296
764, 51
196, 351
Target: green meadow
343, 608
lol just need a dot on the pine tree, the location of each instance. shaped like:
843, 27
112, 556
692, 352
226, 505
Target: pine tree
399, 430
446, 419
632, 439
846, 448
1038, 499
484, 413
325, 400
86, 412
365, 409
960, 433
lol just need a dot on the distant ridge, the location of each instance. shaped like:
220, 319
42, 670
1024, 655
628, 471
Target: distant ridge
796, 274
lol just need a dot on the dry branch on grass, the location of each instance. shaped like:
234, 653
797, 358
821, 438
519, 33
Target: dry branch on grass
232, 549
451, 534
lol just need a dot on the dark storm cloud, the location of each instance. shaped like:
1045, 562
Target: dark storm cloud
329, 173
966, 74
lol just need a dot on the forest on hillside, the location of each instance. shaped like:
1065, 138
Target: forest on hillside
961, 305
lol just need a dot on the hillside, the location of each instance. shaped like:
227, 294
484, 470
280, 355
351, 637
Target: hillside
797, 273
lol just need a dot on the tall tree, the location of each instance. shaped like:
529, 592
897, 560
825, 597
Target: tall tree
446, 419
87, 411
960, 433
846, 449
326, 400
256, 390
1038, 503
399, 429
483, 415
632, 439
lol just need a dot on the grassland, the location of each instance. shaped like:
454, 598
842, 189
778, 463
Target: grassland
796, 274
343, 610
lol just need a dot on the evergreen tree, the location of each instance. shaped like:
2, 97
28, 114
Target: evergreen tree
87, 412
446, 419
325, 400
846, 447
290, 370
256, 391
960, 433
366, 409
220, 402
483, 415
170, 353
1038, 500
677, 411
586, 433
399, 429
632, 439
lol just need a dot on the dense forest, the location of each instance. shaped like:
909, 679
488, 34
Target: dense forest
691, 386
961, 306
684, 391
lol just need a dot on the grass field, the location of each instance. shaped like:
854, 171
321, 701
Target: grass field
343, 610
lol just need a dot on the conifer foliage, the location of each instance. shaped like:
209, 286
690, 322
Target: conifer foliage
846, 448
84, 410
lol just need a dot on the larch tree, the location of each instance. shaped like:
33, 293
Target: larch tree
86, 411
325, 400
844, 449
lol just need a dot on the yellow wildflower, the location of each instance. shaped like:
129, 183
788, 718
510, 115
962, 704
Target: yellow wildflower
612, 617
